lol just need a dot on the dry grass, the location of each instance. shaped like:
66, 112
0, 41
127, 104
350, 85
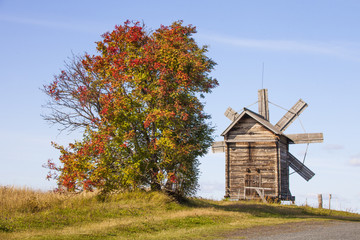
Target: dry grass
24, 199
29, 214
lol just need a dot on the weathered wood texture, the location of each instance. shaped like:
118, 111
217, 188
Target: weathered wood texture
263, 103
231, 114
227, 172
300, 168
248, 129
257, 152
291, 115
284, 171
218, 147
259, 119
306, 138
251, 165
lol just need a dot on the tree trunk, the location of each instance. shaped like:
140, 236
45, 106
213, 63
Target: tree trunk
155, 186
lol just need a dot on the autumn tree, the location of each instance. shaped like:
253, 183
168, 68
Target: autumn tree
139, 103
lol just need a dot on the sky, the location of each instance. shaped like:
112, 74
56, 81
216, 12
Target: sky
309, 50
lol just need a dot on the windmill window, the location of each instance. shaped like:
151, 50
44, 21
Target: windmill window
249, 152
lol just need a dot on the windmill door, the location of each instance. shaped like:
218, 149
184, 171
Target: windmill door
252, 181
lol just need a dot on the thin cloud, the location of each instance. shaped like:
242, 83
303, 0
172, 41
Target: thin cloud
333, 147
311, 47
49, 24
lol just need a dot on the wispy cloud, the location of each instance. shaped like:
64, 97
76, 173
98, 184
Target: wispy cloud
336, 49
89, 28
355, 160
333, 147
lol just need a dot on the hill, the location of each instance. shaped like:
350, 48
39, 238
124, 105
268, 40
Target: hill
30, 214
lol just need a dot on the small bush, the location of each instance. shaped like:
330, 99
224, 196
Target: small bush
6, 225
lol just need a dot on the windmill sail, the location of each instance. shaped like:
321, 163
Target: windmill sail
291, 115
300, 168
306, 138
231, 114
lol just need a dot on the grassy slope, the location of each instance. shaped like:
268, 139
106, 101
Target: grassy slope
28, 214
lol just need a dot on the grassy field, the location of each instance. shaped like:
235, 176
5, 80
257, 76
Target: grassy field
29, 214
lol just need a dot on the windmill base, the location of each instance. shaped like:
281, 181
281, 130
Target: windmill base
268, 199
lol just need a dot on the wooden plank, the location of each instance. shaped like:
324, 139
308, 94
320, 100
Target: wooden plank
268, 182
259, 160
263, 103
235, 139
264, 169
248, 126
256, 145
271, 158
300, 168
218, 147
267, 177
261, 164
231, 114
306, 138
249, 114
253, 162
252, 166
291, 115
227, 171
242, 171
255, 153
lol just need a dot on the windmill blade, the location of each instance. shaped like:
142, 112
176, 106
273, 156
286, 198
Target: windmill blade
263, 103
291, 115
305, 138
218, 147
300, 168
231, 114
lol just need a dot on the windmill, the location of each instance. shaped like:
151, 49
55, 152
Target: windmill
257, 157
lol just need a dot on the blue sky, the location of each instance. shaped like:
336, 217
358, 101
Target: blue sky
310, 49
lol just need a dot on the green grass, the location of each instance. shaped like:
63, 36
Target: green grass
29, 214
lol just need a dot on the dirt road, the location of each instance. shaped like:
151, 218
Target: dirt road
343, 230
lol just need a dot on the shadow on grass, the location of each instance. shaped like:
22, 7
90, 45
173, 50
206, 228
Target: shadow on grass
258, 209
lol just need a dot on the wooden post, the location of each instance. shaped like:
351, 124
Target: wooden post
263, 103
330, 201
278, 171
320, 200
227, 169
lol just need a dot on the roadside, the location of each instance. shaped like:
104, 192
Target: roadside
310, 230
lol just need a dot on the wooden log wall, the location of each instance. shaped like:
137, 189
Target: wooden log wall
284, 171
251, 159
227, 172
249, 130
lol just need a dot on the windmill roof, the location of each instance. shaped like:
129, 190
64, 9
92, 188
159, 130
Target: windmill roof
255, 116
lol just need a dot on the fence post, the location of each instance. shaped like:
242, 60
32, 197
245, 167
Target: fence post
330, 201
320, 200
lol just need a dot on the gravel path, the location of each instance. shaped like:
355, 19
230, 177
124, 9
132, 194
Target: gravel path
304, 230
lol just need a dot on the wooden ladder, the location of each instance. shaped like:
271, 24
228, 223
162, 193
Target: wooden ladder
260, 191
261, 194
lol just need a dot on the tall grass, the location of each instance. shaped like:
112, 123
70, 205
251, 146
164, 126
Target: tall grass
14, 200
24, 209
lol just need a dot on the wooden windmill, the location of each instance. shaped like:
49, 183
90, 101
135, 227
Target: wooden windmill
257, 157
